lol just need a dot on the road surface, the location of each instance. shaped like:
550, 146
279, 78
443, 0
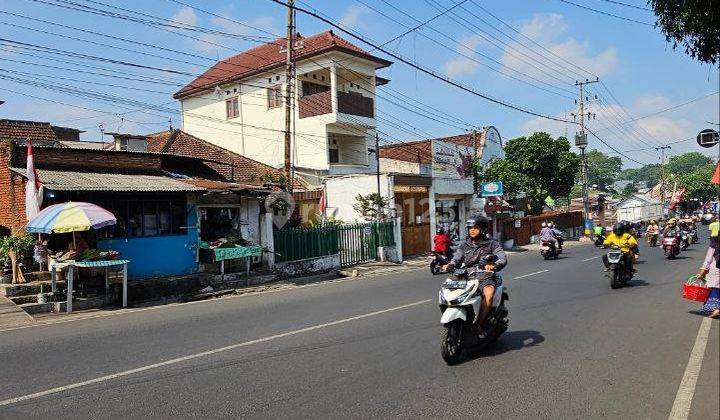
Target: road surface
369, 348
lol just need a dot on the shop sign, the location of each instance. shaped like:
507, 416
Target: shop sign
491, 189
410, 188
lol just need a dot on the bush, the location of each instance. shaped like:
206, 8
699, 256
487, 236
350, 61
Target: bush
21, 244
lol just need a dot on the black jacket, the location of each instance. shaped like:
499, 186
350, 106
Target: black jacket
471, 252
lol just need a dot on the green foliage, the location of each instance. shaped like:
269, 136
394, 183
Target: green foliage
693, 24
629, 190
538, 166
368, 205
21, 244
687, 162
697, 182
648, 173
603, 170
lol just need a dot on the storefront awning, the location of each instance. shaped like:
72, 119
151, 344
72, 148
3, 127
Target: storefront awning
58, 180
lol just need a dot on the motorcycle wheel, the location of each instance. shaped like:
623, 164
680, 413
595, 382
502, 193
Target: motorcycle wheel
434, 268
615, 280
451, 344
671, 255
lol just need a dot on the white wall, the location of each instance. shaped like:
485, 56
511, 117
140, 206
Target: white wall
257, 132
404, 167
341, 193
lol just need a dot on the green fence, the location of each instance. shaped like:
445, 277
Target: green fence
355, 242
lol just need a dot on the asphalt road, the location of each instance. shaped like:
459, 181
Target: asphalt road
369, 348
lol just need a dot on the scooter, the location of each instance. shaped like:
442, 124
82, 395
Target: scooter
671, 246
618, 272
437, 261
694, 236
549, 250
652, 239
684, 240
599, 240
460, 300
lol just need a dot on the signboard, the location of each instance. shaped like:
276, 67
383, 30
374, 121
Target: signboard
491, 189
451, 160
708, 138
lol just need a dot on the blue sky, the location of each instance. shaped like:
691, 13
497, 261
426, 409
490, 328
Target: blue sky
636, 65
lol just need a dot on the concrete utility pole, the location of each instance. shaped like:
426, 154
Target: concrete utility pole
288, 91
475, 160
581, 142
377, 172
662, 149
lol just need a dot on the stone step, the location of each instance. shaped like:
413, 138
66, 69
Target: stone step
79, 304
29, 288
19, 300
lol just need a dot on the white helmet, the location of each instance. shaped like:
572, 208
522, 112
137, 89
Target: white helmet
551, 224
543, 224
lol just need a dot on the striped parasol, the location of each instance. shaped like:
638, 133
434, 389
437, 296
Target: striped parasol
70, 217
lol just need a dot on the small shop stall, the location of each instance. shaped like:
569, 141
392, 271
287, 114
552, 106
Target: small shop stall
73, 217
224, 236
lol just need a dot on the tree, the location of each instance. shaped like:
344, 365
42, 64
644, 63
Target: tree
629, 190
603, 170
693, 24
651, 174
686, 163
368, 205
697, 182
537, 166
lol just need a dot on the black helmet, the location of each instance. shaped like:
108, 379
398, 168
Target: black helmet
619, 228
478, 221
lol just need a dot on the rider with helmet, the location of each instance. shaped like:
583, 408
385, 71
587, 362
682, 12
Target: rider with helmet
671, 228
547, 235
626, 242
476, 247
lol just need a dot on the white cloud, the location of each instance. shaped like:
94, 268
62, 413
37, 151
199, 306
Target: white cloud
352, 17
185, 16
462, 65
548, 30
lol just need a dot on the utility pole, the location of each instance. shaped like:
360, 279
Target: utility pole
475, 160
662, 149
581, 142
288, 91
377, 172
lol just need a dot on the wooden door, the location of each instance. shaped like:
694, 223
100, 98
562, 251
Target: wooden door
415, 225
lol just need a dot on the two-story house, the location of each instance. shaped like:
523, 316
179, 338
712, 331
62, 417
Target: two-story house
238, 104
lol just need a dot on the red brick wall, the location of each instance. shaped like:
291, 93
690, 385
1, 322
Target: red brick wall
12, 192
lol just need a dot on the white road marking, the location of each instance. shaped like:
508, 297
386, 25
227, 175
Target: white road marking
530, 274
592, 258
140, 369
683, 399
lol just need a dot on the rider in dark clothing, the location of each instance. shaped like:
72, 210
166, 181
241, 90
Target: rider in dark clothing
471, 253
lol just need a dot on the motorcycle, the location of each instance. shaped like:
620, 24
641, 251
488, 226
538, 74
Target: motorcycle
671, 246
549, 250
437, 261
599, 239
684, 240
460, 300
652, 239
694, 236
618, 271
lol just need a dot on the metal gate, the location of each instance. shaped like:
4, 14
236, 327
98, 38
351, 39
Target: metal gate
359, 242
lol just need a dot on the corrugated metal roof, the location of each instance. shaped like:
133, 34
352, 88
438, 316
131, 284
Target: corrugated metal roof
93, 181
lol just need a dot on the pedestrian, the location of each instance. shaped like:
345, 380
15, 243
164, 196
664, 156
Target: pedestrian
710, 272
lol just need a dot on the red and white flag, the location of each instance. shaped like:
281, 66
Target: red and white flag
716, 175
33, 187
322, 206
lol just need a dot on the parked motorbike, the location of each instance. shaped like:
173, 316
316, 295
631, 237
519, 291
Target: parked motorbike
460, 299
619, 272
549, 250
671, 246
437, 261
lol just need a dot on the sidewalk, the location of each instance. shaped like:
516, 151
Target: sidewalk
11, 315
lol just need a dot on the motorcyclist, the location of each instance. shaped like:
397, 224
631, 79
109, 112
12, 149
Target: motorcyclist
442, 243
652, 231
557, 234
471, 253
627, 243
547, 235
671, 228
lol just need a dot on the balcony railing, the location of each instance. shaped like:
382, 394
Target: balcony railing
352, 103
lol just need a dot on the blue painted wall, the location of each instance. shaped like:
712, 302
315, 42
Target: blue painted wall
158, 256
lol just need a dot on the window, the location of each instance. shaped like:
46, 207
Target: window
145, 218
274, 96
334, 156
231, 108
309, 88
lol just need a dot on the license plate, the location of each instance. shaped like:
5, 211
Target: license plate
545, 248
454, 284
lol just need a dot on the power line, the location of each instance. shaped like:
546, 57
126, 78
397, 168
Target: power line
607, 14
619, 3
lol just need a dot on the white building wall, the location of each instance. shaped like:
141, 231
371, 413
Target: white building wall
258, 132
342, 191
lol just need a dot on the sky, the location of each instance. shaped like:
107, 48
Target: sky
527, 54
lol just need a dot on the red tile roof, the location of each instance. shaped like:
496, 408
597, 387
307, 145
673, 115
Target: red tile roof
23, 130
421, 151
271, 55
246, 170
